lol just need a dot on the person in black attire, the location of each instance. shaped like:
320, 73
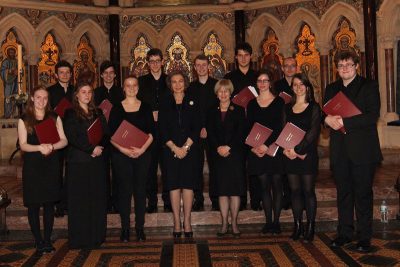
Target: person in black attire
112, 92
289, 69
40, 169
87, 203
203, 90
242, 77
305, 113
61, 89
354, 154
179, 129
152, 90
267, 109
225, 125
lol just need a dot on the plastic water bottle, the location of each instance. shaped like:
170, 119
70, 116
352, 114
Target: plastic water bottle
384, 212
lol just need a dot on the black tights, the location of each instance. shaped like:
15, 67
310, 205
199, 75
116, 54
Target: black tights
303, 194
271, 183
48, 221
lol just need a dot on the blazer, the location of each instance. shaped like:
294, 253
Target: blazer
361, 141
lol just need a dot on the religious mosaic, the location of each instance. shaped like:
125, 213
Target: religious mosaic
213, 49
49, 56
308, 59
139, 65
271, 59
343, 39
178, 56
85, 66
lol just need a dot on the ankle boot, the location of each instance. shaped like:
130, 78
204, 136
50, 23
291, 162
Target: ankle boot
310, 229
297, 230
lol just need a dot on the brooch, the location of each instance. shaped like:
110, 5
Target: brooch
191, 103
231, 108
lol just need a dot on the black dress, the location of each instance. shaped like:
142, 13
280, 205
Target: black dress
87, 218
177, 123
271, 117
229, 172
310, 121
40, 183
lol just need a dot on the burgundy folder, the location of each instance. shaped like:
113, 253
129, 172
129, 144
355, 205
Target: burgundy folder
290, 136
258, 135
285, 96
127, 135
62, 106
95, 132
106, 106
46, 131
244, 96
272, 149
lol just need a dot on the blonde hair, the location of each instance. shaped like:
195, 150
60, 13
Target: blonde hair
223, 83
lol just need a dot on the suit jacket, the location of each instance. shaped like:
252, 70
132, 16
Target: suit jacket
361, 141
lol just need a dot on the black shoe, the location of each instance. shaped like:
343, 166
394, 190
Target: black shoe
188, 234
198, 206
363, 246
340, 241
59, 213
39, 248
140, 236
152, 209
177, 234
48, 247
309, 234
167, 208
276, 228
297, 230
267, 228
124, 236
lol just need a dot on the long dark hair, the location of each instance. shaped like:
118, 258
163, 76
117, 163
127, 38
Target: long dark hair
30, 115
92, 111
309, 88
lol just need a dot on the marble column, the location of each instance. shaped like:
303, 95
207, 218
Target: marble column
370, 39
390, 90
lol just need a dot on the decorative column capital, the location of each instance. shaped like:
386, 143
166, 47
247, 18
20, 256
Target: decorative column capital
387, 41
323, 48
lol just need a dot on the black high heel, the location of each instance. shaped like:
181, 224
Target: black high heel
177, 234
310, 230
297, 230
188, 234
140, 236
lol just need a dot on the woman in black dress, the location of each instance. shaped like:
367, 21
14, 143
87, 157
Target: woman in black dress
267, 109
226, 136
86, 176
180, 129
40, 183
132, 164
305, 113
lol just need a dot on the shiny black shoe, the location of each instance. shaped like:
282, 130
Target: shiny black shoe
363, 246
177, 234
48, 247
309, 233
340, 241
188, 234
140, 236
125, 236
39, 248
198, 206
297, 230
267, 228
152, 209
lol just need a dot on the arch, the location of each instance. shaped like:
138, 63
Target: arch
61, 32
168, 31
219, 28
389, 27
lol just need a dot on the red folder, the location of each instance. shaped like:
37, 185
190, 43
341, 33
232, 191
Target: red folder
285, 96
244, 96
95, 132
46, 131
272, 149
258, 135
106, 106
290, 136
127, 135
62, 106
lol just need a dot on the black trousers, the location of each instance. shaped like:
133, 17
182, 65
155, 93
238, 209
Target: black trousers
354, 191
131, 175
111, 182
63, 203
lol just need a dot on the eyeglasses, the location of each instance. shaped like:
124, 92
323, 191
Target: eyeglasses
263, 81
345, 66
154, 61
289, 66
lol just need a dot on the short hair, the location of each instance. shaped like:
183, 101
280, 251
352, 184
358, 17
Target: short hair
130, 76
174, 73
346, 55
309, 88
243, 46
223, 83
105, 65
63, 63
201, 57
270, 77
287, 58
154, 52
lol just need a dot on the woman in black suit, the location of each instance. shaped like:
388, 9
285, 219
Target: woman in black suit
132, 164
225, 133
267, 109
180, 129
87, 218
40, 169
305, 113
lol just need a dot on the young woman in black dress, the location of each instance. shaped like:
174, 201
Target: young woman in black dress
305, 113
267, 109
132, 164
180, 128
226, 136
86, 176
40, 170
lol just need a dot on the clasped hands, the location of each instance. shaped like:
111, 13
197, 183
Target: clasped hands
224, 151
334, 121
46, 149
97, 151
179, 152
133, 152
260, 151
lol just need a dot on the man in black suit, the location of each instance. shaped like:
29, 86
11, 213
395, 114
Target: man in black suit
354, 154
61, 89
